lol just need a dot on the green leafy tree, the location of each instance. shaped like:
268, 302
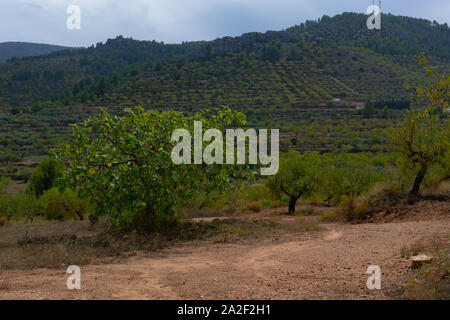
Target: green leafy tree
28, 206
45, 176
347, 175
352, 179
124, 165
422, 139
298, 177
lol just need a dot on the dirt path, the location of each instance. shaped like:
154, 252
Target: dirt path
323, 265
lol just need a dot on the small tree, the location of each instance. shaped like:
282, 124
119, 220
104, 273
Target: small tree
347, 175
45, 175
124, 165
4, 182
353, 180
298, 177
422, 139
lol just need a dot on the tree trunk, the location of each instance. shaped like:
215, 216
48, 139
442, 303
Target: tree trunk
328, 200
149, 210
146, 220
418, 180
292, 203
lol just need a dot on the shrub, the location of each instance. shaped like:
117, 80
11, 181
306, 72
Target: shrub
384, 195
3, 221
4, 181
266, 202
329, 216
255, 192
57, 205
45, 175
254, 206
8, 206
353, 209
431, 281
277, 204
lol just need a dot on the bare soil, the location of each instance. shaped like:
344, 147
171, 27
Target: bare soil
328, 264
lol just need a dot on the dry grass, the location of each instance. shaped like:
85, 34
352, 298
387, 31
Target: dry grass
54, 244
330, 216
431, 281
278, 204
190, 213
306, 210
254, 206
413, 249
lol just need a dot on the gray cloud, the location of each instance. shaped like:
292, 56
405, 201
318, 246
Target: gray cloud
172, 21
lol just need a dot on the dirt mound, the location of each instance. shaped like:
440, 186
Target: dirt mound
419, 211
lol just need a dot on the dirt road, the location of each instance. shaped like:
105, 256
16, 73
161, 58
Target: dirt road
329, 264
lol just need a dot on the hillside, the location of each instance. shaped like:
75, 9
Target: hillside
9, 50
312, 80
317, 60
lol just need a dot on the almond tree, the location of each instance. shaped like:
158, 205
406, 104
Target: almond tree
422, 139
298, 177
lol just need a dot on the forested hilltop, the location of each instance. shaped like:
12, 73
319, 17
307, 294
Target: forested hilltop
290, 78
329, 58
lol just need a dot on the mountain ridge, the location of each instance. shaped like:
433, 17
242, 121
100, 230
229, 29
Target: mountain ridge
19, 49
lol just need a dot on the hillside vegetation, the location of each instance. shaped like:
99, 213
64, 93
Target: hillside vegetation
315, 61
313, 81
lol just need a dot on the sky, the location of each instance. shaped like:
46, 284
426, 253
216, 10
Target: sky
174, 21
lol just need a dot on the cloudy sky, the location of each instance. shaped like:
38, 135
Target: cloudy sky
173, 21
